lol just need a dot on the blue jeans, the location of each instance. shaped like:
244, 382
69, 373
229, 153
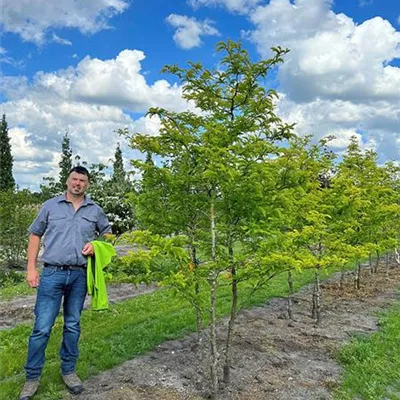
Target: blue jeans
54, 284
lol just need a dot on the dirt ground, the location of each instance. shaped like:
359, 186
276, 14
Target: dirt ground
20, 309
275, 358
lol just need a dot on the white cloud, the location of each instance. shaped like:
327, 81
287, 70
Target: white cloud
377, 123
6, 59
90, 101
34, 20
331, 56
189, 30
237, 6
337, 78
59, 40
148, 125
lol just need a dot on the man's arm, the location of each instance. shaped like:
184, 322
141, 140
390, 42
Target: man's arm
32, 275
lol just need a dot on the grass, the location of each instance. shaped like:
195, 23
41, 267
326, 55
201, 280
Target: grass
372, 363
111, 337
10, 291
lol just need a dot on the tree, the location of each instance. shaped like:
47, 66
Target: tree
7, 181
50, 186
119, 173
17, 211
65, 163
209, 177
112, 194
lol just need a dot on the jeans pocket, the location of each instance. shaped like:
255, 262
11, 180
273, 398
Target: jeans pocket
48, 271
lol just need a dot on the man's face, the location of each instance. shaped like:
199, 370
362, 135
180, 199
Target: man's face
77, 184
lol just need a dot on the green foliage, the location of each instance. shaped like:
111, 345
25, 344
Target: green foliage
10, 278
214, 159
17, 211
119, 174
7, 181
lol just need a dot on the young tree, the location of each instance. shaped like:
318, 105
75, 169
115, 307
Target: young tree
208, 179
65, 163
7, 181
119, 174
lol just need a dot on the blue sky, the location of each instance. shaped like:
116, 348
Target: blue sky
92, 66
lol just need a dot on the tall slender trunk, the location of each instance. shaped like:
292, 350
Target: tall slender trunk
290, 297
316, 310
378, 258
199, 319
387, 265
341, 280
213, 300
371, 266
232, 319
357, 277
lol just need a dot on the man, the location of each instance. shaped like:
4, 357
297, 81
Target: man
68, 223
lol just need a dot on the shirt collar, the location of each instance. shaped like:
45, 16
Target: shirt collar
63, 198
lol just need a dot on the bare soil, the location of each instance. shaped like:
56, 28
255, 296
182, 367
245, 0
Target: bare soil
274, 358
20, 309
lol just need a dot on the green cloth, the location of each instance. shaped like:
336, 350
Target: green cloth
96, 282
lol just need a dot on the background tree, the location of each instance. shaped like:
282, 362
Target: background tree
112, 193
17, 211
119, 174
7, 181
65, 163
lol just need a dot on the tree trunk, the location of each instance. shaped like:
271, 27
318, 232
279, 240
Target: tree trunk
290, 297
199, 319
316, 310
341, 281
213, 299
231, 325
213, 339
371, 266
378, 258
387, 265
357, 277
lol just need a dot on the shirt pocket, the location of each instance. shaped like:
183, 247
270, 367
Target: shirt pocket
88, 225
57, 222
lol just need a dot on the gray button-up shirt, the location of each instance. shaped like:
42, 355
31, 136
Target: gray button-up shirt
66, 231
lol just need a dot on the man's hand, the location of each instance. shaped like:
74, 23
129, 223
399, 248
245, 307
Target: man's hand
32, 277
88, 249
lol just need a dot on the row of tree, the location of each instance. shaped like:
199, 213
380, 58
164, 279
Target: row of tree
230, 195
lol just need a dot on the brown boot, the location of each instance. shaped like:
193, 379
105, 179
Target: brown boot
73, 383
29, 389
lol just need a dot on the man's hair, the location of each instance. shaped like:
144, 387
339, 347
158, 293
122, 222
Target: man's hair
80, 170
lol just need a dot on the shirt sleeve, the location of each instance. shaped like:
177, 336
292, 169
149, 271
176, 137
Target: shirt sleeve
39, 225
103, 224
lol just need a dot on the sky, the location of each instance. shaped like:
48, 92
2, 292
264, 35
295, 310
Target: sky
91, 67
